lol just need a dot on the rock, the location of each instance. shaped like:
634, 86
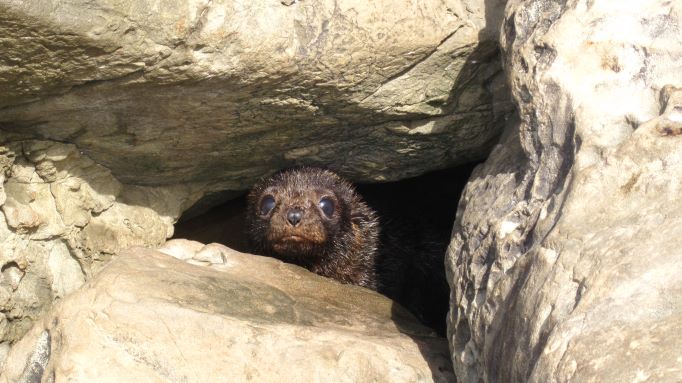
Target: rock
117, 116
149, 317
564, 260
377, 90
63, 216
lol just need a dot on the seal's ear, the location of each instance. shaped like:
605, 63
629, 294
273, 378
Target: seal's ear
363, 214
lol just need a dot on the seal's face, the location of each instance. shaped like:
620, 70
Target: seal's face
296, 215
298, 221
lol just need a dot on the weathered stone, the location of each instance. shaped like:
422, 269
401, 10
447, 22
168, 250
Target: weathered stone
149, 317
223, 92
63, 215
116, 116
564, 260
65, 272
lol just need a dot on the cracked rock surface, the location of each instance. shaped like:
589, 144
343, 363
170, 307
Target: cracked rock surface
61, 217
237, 89
150, 317
117, 116
565, 260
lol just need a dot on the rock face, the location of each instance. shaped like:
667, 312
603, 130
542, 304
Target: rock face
116, 116
564, 260
61, 217
377, 90
149, 317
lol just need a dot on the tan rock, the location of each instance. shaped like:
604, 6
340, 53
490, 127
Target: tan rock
116, 116
564, 259
152, 318
238, 90
63, 216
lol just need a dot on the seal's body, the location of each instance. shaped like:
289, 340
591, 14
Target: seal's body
313, 218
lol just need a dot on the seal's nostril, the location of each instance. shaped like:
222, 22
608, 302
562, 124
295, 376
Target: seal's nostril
294, 216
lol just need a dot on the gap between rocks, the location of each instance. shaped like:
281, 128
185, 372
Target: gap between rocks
431, 198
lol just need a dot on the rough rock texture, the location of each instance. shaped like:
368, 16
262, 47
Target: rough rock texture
378, 90
156, 104
565, 259
148, 317
61, 216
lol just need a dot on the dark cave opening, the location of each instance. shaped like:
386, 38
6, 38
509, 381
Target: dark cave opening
426, 202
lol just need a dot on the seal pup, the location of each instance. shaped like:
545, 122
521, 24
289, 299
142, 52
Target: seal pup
313, 218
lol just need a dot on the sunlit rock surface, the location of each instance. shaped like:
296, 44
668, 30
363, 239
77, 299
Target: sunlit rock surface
117, 116
221, 92
565, 259
221, 315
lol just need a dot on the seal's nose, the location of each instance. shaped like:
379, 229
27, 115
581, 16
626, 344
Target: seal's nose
294, 216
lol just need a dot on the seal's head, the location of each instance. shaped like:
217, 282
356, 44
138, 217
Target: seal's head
302, 215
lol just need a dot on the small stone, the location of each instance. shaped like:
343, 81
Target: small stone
183, 249
211, 254
12, 275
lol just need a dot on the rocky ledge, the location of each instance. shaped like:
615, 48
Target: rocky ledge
221, 315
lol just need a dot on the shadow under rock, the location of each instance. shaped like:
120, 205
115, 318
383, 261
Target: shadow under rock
433, 347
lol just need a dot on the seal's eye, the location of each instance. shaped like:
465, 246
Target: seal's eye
267, 204
327, 206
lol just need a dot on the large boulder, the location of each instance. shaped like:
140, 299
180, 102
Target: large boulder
225, 91
564, 262
224, 316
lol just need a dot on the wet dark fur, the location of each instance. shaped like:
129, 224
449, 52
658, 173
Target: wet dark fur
394, 256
